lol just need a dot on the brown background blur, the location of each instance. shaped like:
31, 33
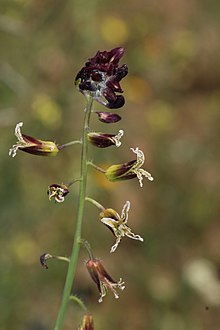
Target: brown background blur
172, 113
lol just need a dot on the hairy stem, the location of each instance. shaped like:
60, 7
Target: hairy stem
77, 236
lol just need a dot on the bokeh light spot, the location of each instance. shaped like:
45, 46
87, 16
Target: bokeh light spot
46, 111
114, 30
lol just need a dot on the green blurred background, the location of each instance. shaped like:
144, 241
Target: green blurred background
172, 113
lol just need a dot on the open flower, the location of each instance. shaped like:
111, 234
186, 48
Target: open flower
101, 76
118, 224
31, 145
129, 170
102, 279
57, 192
103, 140
87, 323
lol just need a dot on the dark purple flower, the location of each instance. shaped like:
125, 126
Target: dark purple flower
103, 140
32, 145
101, 76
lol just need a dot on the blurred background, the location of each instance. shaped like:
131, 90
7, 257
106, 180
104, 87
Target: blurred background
172, 113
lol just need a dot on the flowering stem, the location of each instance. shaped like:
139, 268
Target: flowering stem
77, 236
62, 258
69, 144
96, 167
94, 202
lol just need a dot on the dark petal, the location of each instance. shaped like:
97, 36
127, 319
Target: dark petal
96, 76
30, 139
116, 54
101, 140
104, 273
87, 86
121, 72
121, 171
43, 260
92, 269
108, 118
118, 103
114, 85
35, 150
109, 95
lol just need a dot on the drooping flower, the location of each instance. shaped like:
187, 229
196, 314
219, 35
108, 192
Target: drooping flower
103, 140
129, 170
108, 117
102, 279
101, 76
118, 224
87, 323
43, 259
32, 145
57, 192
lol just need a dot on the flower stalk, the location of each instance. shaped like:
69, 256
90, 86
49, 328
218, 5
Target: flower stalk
77, 237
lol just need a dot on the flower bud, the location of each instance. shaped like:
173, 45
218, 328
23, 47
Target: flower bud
87, 323
108, 118
102, 140
32, 145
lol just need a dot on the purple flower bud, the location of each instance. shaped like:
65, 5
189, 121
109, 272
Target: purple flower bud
103, 140
108, 117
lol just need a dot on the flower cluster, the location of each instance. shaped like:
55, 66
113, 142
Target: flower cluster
100, 78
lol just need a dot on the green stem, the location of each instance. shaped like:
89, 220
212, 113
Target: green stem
77, 237
94, 202
69, 144
96, 167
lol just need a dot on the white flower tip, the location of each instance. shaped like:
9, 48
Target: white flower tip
113, 249
100, 300
121, 132
151, 178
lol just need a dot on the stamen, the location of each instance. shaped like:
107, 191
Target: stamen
116, 138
